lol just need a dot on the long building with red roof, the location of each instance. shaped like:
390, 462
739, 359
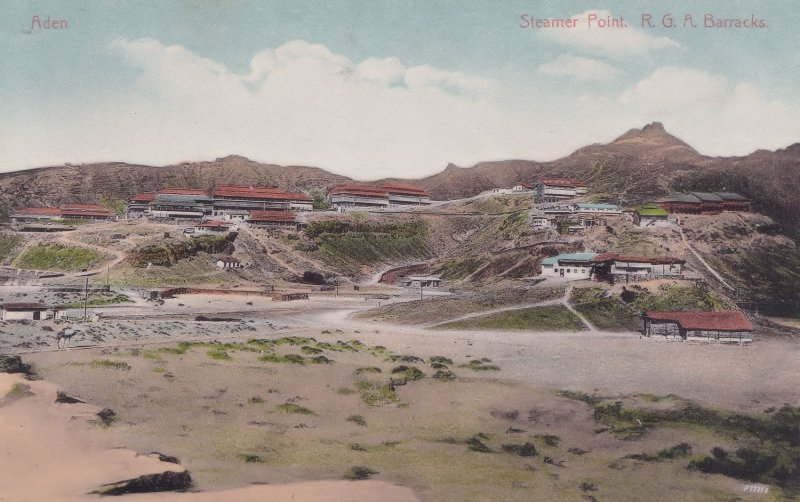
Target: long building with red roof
378, 196
715, 325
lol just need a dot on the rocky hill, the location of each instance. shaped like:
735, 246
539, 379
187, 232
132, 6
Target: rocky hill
639, 165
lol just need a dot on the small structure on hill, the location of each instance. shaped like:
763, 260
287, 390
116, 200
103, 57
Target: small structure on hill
721, 326
285, 297
570, 267
651, 216
212, 227
421, 281
615, 267
228, 262
24, 311
591, 209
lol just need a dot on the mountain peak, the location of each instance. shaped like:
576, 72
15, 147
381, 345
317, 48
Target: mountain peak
653, 133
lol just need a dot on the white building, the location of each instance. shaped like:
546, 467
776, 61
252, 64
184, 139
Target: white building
419, 281
23, 311
570, 267
588, 209
228, 262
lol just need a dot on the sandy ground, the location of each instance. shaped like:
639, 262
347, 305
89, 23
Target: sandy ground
205, 412
57, 452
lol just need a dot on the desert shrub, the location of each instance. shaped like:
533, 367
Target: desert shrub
359, 472
293, 408
109, 364
357, 419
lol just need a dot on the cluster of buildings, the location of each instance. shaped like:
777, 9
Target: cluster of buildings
386, 195
612, 267
657, 214
574, 217
75, 212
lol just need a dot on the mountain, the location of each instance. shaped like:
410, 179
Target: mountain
640, 165
116, 180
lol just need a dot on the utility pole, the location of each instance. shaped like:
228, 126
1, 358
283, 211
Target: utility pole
85, 299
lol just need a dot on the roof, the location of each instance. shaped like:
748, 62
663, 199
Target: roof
227, 259
38, 211
180, 198
271, 216
364, 190
731, 196
707, 197
402, 189
213, 224
684, 198
562, 182
655, 260
607, 207
84, 207
143, 197
24, 306
183, 191
251, 192
569, 258
422, 278
84, 213
714, 321
651, 210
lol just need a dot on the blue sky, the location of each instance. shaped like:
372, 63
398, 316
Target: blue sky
372, 89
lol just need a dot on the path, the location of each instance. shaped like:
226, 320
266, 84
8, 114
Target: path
565, 302
703, 262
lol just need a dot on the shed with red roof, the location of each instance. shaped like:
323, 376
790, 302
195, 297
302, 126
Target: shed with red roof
713, 325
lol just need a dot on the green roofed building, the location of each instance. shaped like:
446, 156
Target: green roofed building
650, 216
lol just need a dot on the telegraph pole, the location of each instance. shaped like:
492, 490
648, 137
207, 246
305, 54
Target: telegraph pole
85, 299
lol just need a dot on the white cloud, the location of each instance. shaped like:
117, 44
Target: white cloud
300, 103
712, 114
580, 68
618, 43
671, 88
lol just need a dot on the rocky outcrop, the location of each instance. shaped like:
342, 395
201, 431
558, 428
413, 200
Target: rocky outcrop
169, 481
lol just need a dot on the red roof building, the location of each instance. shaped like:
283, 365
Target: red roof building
86, 211
183, 191
29, 214
697, 324
272, 219
143, 197
387, 194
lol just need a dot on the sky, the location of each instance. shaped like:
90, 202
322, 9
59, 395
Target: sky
372, 88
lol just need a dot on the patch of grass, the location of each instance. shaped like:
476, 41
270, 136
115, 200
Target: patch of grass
762, 464
677, 451
109, 364
151, 354
293, 340
219, 354
306, 349
252, 459
475, 443
288, 358
8, 243
549, 439
480, 365
444, 376
604, 312
554, 318
359, 472
367, 369
293, 408
377, 394
678, 298
357, 419
321, 360
457, 269
408, 372
579, 396
19, 390
58, 257
523, 450
344, 391
159, 369
440, 360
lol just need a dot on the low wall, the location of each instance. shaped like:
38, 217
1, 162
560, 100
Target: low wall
172, 292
